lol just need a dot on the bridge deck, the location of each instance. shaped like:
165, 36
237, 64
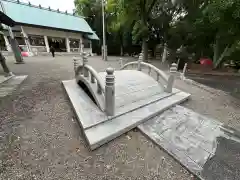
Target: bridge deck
132, 86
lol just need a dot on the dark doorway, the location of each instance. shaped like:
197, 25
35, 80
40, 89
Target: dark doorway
59, 44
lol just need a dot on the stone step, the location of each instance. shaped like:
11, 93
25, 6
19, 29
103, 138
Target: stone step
4, 79
11, 84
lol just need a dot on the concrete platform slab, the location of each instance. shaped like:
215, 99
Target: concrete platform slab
99, 128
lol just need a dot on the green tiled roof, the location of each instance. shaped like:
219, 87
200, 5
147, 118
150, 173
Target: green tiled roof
93, 36
23, 13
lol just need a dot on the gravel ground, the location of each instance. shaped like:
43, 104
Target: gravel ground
40, 138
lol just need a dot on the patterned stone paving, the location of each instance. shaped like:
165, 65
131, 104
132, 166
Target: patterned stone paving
199, 143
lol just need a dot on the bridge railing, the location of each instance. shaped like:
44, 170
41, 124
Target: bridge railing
88, 70
85, 72
167, 79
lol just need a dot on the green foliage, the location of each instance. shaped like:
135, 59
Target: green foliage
208, 28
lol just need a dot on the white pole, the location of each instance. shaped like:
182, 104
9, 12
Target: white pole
104, 33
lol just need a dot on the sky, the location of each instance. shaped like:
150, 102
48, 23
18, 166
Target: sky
62, 5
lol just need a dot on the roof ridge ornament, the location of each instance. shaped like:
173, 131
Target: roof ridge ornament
40, 6
49, 8
29, 3
18, 1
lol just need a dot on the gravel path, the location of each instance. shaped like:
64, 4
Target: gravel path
40, 138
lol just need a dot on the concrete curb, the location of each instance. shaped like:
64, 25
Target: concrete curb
6, 79
204, 87
212, 74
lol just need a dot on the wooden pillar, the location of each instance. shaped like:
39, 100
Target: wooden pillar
46, 43
68, 44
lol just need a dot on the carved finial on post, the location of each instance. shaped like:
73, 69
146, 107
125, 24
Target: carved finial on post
85, 60
173, 68
140, 59
110, 92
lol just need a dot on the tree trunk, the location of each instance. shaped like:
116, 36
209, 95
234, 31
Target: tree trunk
145, 50
121, 50
221, 57
216, 50
3, 63
164, 55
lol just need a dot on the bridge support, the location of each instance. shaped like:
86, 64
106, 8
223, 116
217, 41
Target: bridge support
110, 92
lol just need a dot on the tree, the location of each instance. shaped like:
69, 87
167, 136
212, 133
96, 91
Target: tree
211, 27
134, 14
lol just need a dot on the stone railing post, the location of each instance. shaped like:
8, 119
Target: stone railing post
75, 64
173, 69
110, 92
121, 62
85, 60
140, 59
